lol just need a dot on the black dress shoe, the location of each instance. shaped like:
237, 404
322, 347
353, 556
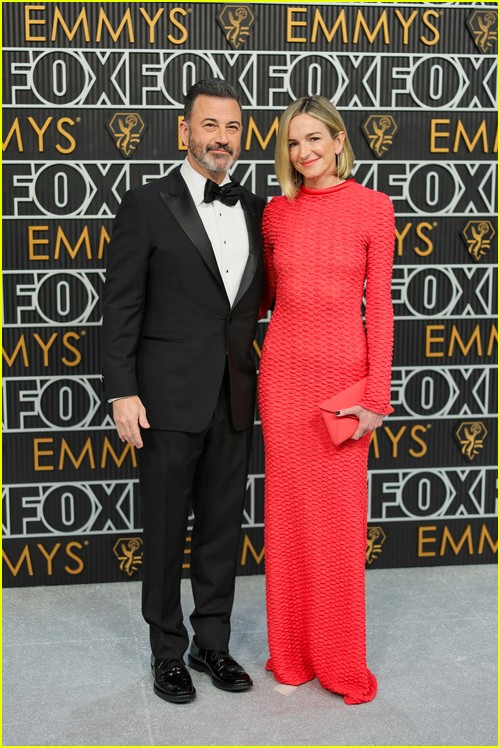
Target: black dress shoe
172, 681
224, 671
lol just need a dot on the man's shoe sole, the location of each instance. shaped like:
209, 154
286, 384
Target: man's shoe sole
202, 667
173, 698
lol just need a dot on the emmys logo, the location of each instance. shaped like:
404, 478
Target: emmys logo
128, 554
379, 130
471, 435
374, 542
127, 129
478, 235
235, 23
483, 25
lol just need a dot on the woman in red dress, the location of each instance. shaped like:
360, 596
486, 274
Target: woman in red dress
328, 242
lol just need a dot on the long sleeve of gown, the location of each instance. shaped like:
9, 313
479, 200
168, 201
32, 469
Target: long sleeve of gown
379, 312
269, 285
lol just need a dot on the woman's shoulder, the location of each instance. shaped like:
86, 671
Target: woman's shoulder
373, 198
276, 202
275, 207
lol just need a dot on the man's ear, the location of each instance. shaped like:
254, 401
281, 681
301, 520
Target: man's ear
184, 131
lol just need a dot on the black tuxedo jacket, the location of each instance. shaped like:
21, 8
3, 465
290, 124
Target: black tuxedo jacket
168, 325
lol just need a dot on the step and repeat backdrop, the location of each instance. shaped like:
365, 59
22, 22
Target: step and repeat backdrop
92, 97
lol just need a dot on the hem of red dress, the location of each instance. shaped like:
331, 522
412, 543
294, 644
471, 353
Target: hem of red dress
288, 681
366, 697
349, 699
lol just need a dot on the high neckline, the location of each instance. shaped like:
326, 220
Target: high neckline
326, 190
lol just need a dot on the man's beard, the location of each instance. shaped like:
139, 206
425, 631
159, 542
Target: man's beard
214, 162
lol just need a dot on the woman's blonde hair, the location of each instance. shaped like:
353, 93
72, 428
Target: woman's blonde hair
323, 110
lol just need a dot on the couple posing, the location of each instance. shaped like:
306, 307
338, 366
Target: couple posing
186, 282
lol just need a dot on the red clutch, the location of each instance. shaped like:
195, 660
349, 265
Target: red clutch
341, 428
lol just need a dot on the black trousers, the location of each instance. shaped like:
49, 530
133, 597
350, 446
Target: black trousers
205, 472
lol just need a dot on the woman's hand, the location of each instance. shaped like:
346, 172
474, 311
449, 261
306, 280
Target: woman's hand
368, 420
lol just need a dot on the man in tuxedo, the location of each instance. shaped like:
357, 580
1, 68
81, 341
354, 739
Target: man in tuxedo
181, 305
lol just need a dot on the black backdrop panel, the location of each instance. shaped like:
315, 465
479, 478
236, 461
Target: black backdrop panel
417, 86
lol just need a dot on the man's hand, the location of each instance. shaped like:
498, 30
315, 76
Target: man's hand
129, 413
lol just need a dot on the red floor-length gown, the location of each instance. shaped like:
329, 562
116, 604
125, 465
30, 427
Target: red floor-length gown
320, 248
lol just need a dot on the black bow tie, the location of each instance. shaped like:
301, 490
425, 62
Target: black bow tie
229, 194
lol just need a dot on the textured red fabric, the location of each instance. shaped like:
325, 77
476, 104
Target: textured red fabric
320, 250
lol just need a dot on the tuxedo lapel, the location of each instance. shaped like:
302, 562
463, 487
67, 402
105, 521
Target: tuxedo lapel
254, 242
178, 200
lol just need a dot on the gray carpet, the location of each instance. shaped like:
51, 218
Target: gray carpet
76, 670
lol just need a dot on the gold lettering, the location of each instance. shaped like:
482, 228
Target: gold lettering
431, 340
405, 23
187, 552
318, 21
426, 239
32, 242
436, 36
435, 134
456, 548
40, 131
475, 337
45, 346
14, 130
481, 133
103, 242
38, 452
107, 448
418, 440
78, 355
82, 19
172, 15
394, 438
115, 35
77, 461
80, 565
252, 129
361, 23
422, 540
485, 535
25, 556
290, 13
61, 239
49, 556
400, 237
374, 444
21, 346
29, 22
493, 339
72, 142
151, 22
248, 546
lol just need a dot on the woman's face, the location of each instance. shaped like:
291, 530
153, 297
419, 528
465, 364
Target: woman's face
313, 151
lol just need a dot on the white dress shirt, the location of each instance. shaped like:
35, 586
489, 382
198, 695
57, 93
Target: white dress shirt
226, 228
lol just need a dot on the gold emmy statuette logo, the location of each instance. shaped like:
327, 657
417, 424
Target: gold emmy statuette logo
235, 21
127, 129
374, 542
483, 25
478, 235
379, 130
128, 551
471, 435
